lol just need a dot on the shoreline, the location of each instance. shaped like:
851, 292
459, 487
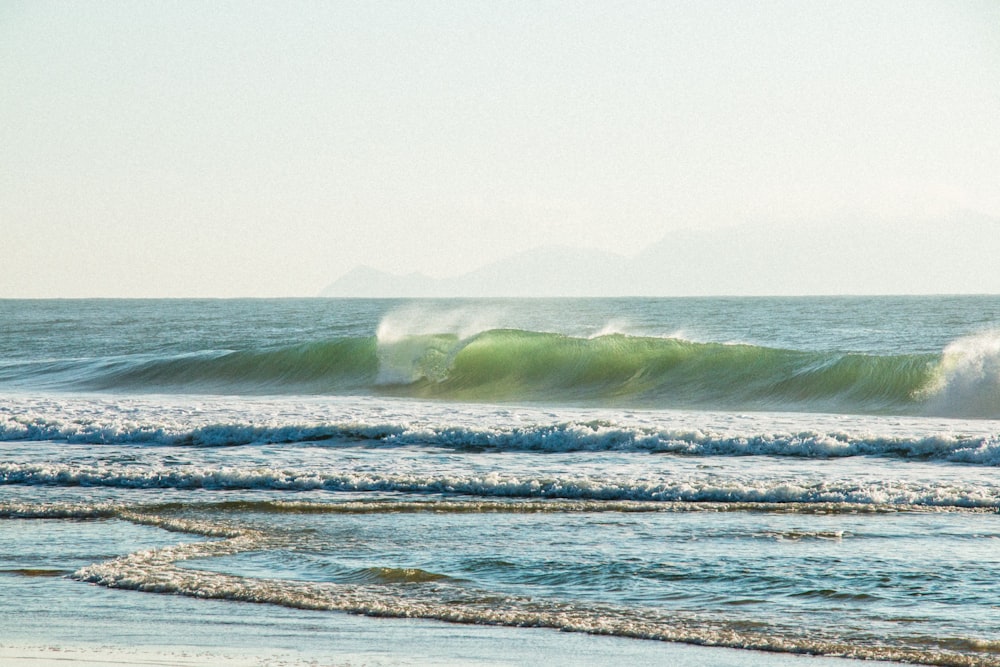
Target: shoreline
345, 640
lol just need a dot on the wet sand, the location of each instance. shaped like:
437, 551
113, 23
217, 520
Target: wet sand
346, 640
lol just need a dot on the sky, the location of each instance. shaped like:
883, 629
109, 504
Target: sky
222, 149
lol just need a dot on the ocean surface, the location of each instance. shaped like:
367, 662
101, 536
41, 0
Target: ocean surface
796, 475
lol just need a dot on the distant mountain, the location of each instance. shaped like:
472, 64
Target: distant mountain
957, 255
960, 254
366, 282
546, 271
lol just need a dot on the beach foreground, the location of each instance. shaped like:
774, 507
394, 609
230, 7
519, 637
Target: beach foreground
41, 625
344, 640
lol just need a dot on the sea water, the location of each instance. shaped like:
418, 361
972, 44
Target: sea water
797, 475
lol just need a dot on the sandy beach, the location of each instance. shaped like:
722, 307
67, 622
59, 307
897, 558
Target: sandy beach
130, 628
355, 641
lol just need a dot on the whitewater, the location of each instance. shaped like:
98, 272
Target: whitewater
794, 475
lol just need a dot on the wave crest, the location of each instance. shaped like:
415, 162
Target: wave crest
611, 370
967, 383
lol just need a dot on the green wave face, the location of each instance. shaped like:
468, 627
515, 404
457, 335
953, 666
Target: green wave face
323, 367
656, 372
616, 370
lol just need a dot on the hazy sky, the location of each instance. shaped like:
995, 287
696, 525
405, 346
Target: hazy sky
257, 149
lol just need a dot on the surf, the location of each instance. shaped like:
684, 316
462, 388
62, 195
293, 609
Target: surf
523, 366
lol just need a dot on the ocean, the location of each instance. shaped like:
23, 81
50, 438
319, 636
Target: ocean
793, 475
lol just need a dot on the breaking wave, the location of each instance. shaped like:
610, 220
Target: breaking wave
613, 370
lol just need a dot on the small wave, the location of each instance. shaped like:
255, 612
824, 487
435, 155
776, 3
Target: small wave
394, 575
73, 511
557, 437
494, 485
439, 506
800, 535
165, 515
833, 594
36, 572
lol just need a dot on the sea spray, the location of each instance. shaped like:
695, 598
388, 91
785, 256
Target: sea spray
528, 366
967, 379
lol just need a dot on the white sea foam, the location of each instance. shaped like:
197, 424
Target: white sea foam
506, 485
612, 327
968, 381
217, 421
413, 320
547, 437
411, 344
445, 599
